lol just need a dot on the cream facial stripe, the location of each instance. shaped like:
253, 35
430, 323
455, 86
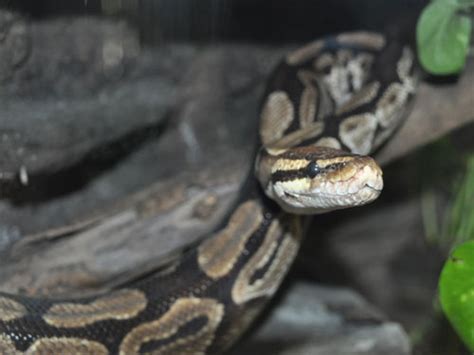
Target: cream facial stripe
290, 164
297, 163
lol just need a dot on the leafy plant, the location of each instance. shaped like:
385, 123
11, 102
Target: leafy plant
456, 282
443, 35
456, 291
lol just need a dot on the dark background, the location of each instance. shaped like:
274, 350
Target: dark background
239, 20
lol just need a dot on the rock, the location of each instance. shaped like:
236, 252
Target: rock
323, 320
73, 138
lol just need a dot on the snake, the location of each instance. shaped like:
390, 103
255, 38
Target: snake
325, 107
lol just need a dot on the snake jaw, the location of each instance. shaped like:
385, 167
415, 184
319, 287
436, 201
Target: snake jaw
356, 183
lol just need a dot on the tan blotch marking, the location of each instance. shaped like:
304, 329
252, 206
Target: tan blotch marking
123, 304
299, 184
329, 142
307, 77
301, 55
359, 69
66, 346
218, 254
6, 346
183, 311
343, 56
345, 78
323, 61
405, 64
391, 112
361, 97
366, 39
389, 107
298, 136
308, 108
325, 107
276, 116
284, 252
10, 310
357, 132
276, 151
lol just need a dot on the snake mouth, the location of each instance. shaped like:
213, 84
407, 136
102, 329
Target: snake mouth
375, 188
366, 177
317, 196
332, 194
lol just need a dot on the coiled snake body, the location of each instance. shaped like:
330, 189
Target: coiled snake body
325, 104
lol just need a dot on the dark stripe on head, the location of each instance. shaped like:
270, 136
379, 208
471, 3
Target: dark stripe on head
310, 171
315, 153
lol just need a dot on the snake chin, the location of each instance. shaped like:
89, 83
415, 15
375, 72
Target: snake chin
315, 196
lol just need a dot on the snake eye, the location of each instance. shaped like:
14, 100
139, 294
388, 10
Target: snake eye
312, 169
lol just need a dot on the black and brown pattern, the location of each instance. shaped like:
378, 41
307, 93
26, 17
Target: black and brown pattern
218, 254
273, 257
277, 115
66, 346
326, 94
181, 313
305, 53
7, 346
357, 132
122, 304
371, 40
10, 309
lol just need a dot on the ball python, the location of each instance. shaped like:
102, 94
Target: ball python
325, 107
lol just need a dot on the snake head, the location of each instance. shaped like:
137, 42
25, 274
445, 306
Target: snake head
309, 180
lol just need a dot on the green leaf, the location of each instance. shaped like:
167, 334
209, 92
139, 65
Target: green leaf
456, 291
460, 224
443, 37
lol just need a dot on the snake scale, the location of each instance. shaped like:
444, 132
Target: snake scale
325, 107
